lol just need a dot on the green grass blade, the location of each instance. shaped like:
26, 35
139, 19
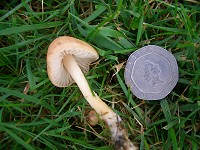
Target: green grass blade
95, 14
30, 134
27, 97
13, 10
51, 123
137, 109
167, 113
75, 141
166, 110
18, 45
17, 139
173, 138
26, 28
171, 30
30, 75
140, 30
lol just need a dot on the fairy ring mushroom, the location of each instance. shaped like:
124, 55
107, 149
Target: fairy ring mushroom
68, 59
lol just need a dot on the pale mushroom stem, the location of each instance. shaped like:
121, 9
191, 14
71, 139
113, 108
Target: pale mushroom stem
118, 133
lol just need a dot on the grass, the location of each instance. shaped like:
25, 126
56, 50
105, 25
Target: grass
34, 114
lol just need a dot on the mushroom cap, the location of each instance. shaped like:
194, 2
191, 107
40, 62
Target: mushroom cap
83, 53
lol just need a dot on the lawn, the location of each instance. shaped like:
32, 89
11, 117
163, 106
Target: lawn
34, 114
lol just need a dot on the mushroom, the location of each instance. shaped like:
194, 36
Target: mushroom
66, 57
92, 118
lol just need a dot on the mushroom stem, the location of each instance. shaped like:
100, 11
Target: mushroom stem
74, 70
113, 121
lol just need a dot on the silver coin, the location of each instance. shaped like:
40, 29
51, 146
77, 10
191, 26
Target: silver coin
151, 73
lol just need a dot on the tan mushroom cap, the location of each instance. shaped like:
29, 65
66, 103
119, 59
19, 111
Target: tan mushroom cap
83, 53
